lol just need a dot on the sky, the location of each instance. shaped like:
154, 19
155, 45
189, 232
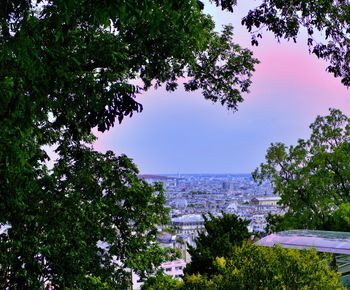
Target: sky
181, 132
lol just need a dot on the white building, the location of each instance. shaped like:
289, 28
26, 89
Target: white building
265, 200
188, 224
175, 268
172, 268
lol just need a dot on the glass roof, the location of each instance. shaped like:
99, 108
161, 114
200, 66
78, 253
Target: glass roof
323, 241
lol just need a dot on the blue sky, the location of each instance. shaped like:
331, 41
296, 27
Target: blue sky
181, 132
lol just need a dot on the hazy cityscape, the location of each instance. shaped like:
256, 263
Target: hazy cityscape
190, 196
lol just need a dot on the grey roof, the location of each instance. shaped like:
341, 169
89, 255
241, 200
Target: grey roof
271, 197
190, 218
323, 241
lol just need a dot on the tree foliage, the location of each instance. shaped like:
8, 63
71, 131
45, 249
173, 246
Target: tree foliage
91, 217
326, 23
161, 281
66, 67
257, 267
312, 177
221, 234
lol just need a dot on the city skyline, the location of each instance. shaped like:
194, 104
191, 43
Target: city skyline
181, 132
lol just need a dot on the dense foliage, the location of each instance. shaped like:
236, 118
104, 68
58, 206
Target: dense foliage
221, 234
313, 177
257, 267
66, 67
161, 281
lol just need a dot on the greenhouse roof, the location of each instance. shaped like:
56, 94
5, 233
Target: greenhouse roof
323, 241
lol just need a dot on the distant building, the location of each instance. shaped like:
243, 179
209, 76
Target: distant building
188, 224
232, 207
180, 203
166, 240
227, 186
177, 242
175, 269
265, 200
182, 242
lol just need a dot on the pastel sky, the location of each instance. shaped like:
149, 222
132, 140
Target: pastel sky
181, 132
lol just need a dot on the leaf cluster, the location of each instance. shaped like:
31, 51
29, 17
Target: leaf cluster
257, 267
221, 234
312, 177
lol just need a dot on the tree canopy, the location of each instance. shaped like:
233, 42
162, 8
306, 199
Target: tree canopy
221, 234
312, 177
257, 267
66, 67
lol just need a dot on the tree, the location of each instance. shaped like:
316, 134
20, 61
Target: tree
94, 218
66, 67
161, 281
257, 267
312, 177
326, 22
221, 234
340, 219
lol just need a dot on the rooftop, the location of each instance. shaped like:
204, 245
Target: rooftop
190, 218
271, 197
323, 241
